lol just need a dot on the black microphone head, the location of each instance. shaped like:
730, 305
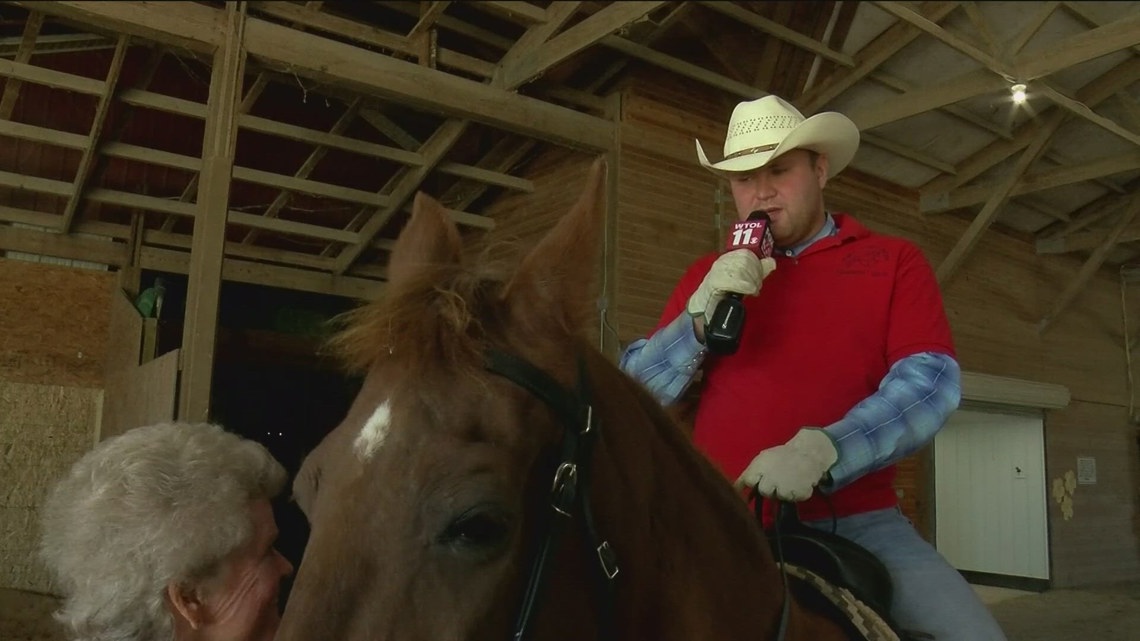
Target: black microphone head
759, 214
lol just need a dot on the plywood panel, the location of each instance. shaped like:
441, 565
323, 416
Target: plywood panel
53, 323
140, 395
44, 429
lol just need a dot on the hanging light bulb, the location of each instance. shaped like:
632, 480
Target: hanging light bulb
1018, 92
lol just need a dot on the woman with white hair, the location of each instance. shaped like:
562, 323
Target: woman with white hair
166, 533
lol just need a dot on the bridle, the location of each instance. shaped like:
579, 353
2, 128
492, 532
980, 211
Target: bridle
570, 489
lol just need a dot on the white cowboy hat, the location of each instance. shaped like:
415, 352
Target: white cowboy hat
763, 129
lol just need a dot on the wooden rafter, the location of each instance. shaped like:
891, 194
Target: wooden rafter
1038, 181
912, 17
593, 29
961, 250
502, 157
1090, 266
961, 114
515, 60
178, 262
870, 57
1094, 43
1018, 42
402, 189
1092, 94
94, 138
772, 28
311, 56
968, 85
23, 55
1082, 110
430, 13
307, 167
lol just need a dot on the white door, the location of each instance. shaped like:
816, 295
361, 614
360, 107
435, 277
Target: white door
989, 490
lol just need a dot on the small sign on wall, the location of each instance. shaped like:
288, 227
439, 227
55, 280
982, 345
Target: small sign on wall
1086, 470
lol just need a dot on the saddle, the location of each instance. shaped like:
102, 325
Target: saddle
836, 559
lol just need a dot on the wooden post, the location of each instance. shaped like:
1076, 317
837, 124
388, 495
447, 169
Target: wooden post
206, 248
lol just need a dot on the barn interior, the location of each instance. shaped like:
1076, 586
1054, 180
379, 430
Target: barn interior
191, 192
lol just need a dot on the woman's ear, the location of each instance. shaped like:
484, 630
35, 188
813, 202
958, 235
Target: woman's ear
186, 604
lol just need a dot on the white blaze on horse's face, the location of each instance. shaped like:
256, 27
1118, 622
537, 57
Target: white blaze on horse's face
374, 432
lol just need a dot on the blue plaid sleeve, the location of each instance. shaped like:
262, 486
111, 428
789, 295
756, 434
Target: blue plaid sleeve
914, 400
667, 361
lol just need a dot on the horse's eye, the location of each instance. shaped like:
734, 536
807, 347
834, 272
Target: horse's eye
480, 529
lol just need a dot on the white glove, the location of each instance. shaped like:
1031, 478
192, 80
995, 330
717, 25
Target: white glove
739, 271
790, 471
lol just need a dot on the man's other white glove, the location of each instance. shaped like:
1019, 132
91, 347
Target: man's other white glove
739, 271
790, 471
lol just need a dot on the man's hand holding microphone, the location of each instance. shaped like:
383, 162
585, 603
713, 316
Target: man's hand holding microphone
791, 471
716, 308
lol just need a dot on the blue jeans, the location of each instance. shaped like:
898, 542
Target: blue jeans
929, 594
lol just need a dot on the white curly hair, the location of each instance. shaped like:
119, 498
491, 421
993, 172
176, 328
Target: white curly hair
157, 504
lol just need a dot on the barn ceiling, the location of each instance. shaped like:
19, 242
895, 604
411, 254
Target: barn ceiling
348, 108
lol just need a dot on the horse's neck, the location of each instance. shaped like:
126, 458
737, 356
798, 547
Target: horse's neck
699, 566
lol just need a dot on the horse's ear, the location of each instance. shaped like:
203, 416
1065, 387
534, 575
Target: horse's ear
559, 271
430, 237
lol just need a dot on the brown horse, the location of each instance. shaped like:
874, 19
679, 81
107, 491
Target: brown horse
498, 477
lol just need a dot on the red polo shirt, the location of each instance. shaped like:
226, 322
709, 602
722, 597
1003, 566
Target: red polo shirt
818, 339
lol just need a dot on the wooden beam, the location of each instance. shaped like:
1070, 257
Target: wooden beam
1082, 110
1084, 241
1081, 12
1077, 285
327, 61
526, 67
982, 27
868, 59
941, 94
961, 250
1041, 180
91, 149
307, 167
523, 13
1092, 94
418, 87
23, 55
60, 246
682, 68
905, 13
507, 70
193, 26
1015, 45
207, 247
779, 31
1110, 38
1093, 212
908, 153
431, 11
403, 189
503, 156
958, 112
172, 260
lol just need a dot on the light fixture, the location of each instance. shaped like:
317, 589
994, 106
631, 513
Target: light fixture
1018, 92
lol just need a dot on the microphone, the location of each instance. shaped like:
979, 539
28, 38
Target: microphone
722, 333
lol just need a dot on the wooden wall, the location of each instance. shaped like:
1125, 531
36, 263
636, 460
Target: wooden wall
667, 217
53, 343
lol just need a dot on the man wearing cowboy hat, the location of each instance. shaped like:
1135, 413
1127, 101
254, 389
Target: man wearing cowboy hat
845, 365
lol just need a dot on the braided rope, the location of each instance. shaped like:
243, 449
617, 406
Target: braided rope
866, 621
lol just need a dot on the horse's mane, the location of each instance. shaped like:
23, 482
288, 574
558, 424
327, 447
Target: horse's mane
438, 315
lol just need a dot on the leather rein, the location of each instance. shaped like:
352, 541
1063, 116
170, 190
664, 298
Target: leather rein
569, 497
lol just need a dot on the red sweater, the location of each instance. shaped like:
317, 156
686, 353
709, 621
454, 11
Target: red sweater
818, 339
